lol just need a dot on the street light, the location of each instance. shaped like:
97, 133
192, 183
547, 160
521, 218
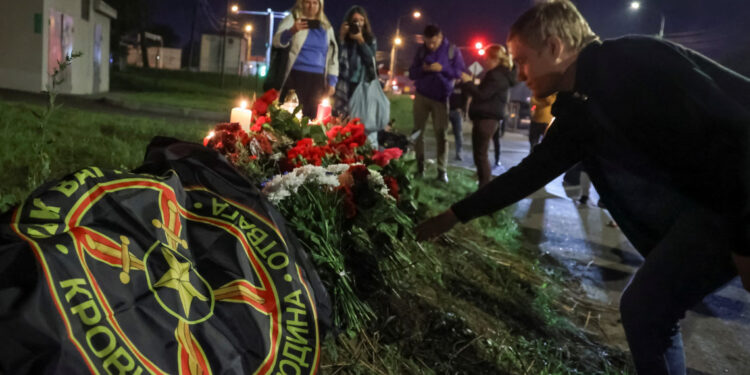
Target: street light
398, 41
248, 28
636, 6
235, 8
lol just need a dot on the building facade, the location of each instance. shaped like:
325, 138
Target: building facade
36, 34
235, 59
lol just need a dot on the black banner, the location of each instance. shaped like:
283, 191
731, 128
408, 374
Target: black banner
180, 267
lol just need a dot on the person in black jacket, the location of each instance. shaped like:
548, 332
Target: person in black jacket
664, 134
488, 104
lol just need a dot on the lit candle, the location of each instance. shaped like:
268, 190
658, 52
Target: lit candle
324, 111
208, 138
242, 115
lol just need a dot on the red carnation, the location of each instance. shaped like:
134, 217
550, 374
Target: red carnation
258, 126
382, 158
350, 208
392, 185
359, 172
260, 107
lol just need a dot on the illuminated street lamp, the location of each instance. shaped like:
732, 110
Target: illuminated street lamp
398, 41
248, 28
235, 8
636, 6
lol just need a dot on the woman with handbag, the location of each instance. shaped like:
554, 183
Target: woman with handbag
357, 89
312, 65
487, 107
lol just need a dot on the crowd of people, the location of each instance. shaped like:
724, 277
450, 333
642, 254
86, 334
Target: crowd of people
319, 63
668, 154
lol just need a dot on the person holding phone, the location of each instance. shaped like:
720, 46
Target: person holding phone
356, 56
313, 66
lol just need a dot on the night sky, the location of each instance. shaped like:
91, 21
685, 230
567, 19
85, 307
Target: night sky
713, 27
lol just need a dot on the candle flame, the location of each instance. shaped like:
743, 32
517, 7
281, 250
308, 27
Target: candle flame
243, 104
208, 138
326, 102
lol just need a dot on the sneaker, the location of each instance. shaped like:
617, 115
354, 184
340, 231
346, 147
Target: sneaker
498, 163
459, 158
442, 177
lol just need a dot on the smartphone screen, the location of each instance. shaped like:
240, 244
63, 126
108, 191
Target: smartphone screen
313, 24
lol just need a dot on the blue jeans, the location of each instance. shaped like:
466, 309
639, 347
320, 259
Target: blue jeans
457, 122
691, 260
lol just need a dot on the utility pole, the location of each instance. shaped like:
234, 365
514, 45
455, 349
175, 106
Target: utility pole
224, 42
192, 37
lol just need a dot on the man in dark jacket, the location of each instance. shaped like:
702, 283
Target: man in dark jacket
663, 132
436, 66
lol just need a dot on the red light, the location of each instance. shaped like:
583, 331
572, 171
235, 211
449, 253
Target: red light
478, 45
481, 52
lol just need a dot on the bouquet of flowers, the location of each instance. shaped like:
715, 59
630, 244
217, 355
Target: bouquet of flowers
349, 203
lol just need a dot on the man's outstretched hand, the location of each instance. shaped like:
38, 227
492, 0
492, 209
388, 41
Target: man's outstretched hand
436, 226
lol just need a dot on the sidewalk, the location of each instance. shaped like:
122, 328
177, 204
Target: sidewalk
716, 332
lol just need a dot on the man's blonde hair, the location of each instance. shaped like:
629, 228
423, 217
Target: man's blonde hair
553, 18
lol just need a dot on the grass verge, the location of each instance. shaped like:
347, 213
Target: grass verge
183, 89
480, 304
76, 139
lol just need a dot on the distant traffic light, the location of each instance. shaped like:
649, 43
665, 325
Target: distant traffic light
478, 45
481, 52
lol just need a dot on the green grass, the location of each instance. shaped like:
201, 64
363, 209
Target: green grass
401, 111
480, 304
76, 139
183, 89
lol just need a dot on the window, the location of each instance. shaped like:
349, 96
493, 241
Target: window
85, 9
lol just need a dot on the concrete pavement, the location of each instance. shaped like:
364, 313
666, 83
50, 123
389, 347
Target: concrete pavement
716, 332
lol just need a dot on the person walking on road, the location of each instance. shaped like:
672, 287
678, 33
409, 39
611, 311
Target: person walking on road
664, 134
488, 101
437, 64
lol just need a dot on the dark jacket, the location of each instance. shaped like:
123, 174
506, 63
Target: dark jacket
356, 64
660, 129
490, 98
458, 99
436, 85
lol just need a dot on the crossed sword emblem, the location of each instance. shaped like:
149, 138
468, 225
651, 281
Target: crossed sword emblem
237, 291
